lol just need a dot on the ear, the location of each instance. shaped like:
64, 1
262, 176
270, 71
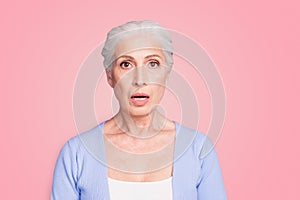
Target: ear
169, 69
168, 74
109, 77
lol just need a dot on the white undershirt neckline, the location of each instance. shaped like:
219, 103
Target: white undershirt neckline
158, 190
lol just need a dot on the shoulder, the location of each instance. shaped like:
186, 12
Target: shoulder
84, 141
196, 141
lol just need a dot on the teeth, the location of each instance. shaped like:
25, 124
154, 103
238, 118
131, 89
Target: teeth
139, 98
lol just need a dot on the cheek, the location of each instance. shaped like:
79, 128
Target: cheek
121, 77
159, 78
121, 89
158, 91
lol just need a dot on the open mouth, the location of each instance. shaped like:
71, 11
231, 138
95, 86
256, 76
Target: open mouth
139, 97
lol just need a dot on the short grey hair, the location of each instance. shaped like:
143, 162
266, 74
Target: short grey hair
133, 27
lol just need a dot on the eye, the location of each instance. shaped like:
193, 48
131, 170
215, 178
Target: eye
125, 65
153, 64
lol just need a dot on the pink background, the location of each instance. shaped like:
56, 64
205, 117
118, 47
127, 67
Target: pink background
255, 45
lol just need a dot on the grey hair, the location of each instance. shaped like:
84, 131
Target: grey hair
133, 27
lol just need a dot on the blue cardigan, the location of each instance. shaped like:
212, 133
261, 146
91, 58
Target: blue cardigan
80, 172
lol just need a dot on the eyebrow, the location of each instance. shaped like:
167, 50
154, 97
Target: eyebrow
130, 57
154, 55
125, 56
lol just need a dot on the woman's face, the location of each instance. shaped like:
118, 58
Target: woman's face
138, 74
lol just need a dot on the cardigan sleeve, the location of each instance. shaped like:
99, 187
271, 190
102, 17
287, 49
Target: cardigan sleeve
210, 186
64, 184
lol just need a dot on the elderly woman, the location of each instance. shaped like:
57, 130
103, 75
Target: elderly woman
138, 153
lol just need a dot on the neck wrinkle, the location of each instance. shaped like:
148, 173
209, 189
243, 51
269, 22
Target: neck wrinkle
140, 126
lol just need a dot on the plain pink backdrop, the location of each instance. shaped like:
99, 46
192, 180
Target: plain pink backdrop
255, 45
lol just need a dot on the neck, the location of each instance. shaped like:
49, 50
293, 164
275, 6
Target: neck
142, 125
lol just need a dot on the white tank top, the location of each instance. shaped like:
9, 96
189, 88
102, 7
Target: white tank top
158, 190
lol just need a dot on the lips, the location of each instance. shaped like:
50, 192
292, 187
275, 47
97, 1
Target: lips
139, 99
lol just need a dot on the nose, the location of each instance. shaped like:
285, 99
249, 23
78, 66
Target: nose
140, 76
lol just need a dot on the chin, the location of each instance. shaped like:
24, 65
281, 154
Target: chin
140, 111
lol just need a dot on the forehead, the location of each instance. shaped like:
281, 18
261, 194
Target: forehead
141, 44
